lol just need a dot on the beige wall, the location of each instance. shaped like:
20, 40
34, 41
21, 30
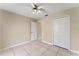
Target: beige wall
47, 27
15, 29
0, 28
38, 31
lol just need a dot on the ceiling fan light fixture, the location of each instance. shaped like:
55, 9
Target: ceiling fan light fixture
34, 11
38, 11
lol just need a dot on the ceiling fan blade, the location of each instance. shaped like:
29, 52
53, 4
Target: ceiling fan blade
40, 7
33, 5
43, 10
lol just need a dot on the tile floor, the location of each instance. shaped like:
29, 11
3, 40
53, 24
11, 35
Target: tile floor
36, 48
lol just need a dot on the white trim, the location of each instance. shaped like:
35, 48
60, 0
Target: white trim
47, 42
76, 52
15, 45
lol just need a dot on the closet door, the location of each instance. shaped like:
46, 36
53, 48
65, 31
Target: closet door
61, 32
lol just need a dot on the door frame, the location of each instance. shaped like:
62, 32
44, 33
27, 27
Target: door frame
68, 29
31, 29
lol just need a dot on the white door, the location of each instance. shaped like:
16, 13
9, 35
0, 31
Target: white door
33, 30
62, 32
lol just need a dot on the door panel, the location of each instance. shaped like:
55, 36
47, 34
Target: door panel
61, 37
33, 30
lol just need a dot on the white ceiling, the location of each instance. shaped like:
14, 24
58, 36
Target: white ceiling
26, 8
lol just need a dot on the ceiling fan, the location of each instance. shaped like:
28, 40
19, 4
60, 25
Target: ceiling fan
38, 9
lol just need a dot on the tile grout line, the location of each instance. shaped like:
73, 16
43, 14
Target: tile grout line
70, 53
46, 50
57, 51
26, 51
13, 52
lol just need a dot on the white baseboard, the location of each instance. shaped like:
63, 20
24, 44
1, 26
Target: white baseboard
76, 52
15, 45
47, 42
